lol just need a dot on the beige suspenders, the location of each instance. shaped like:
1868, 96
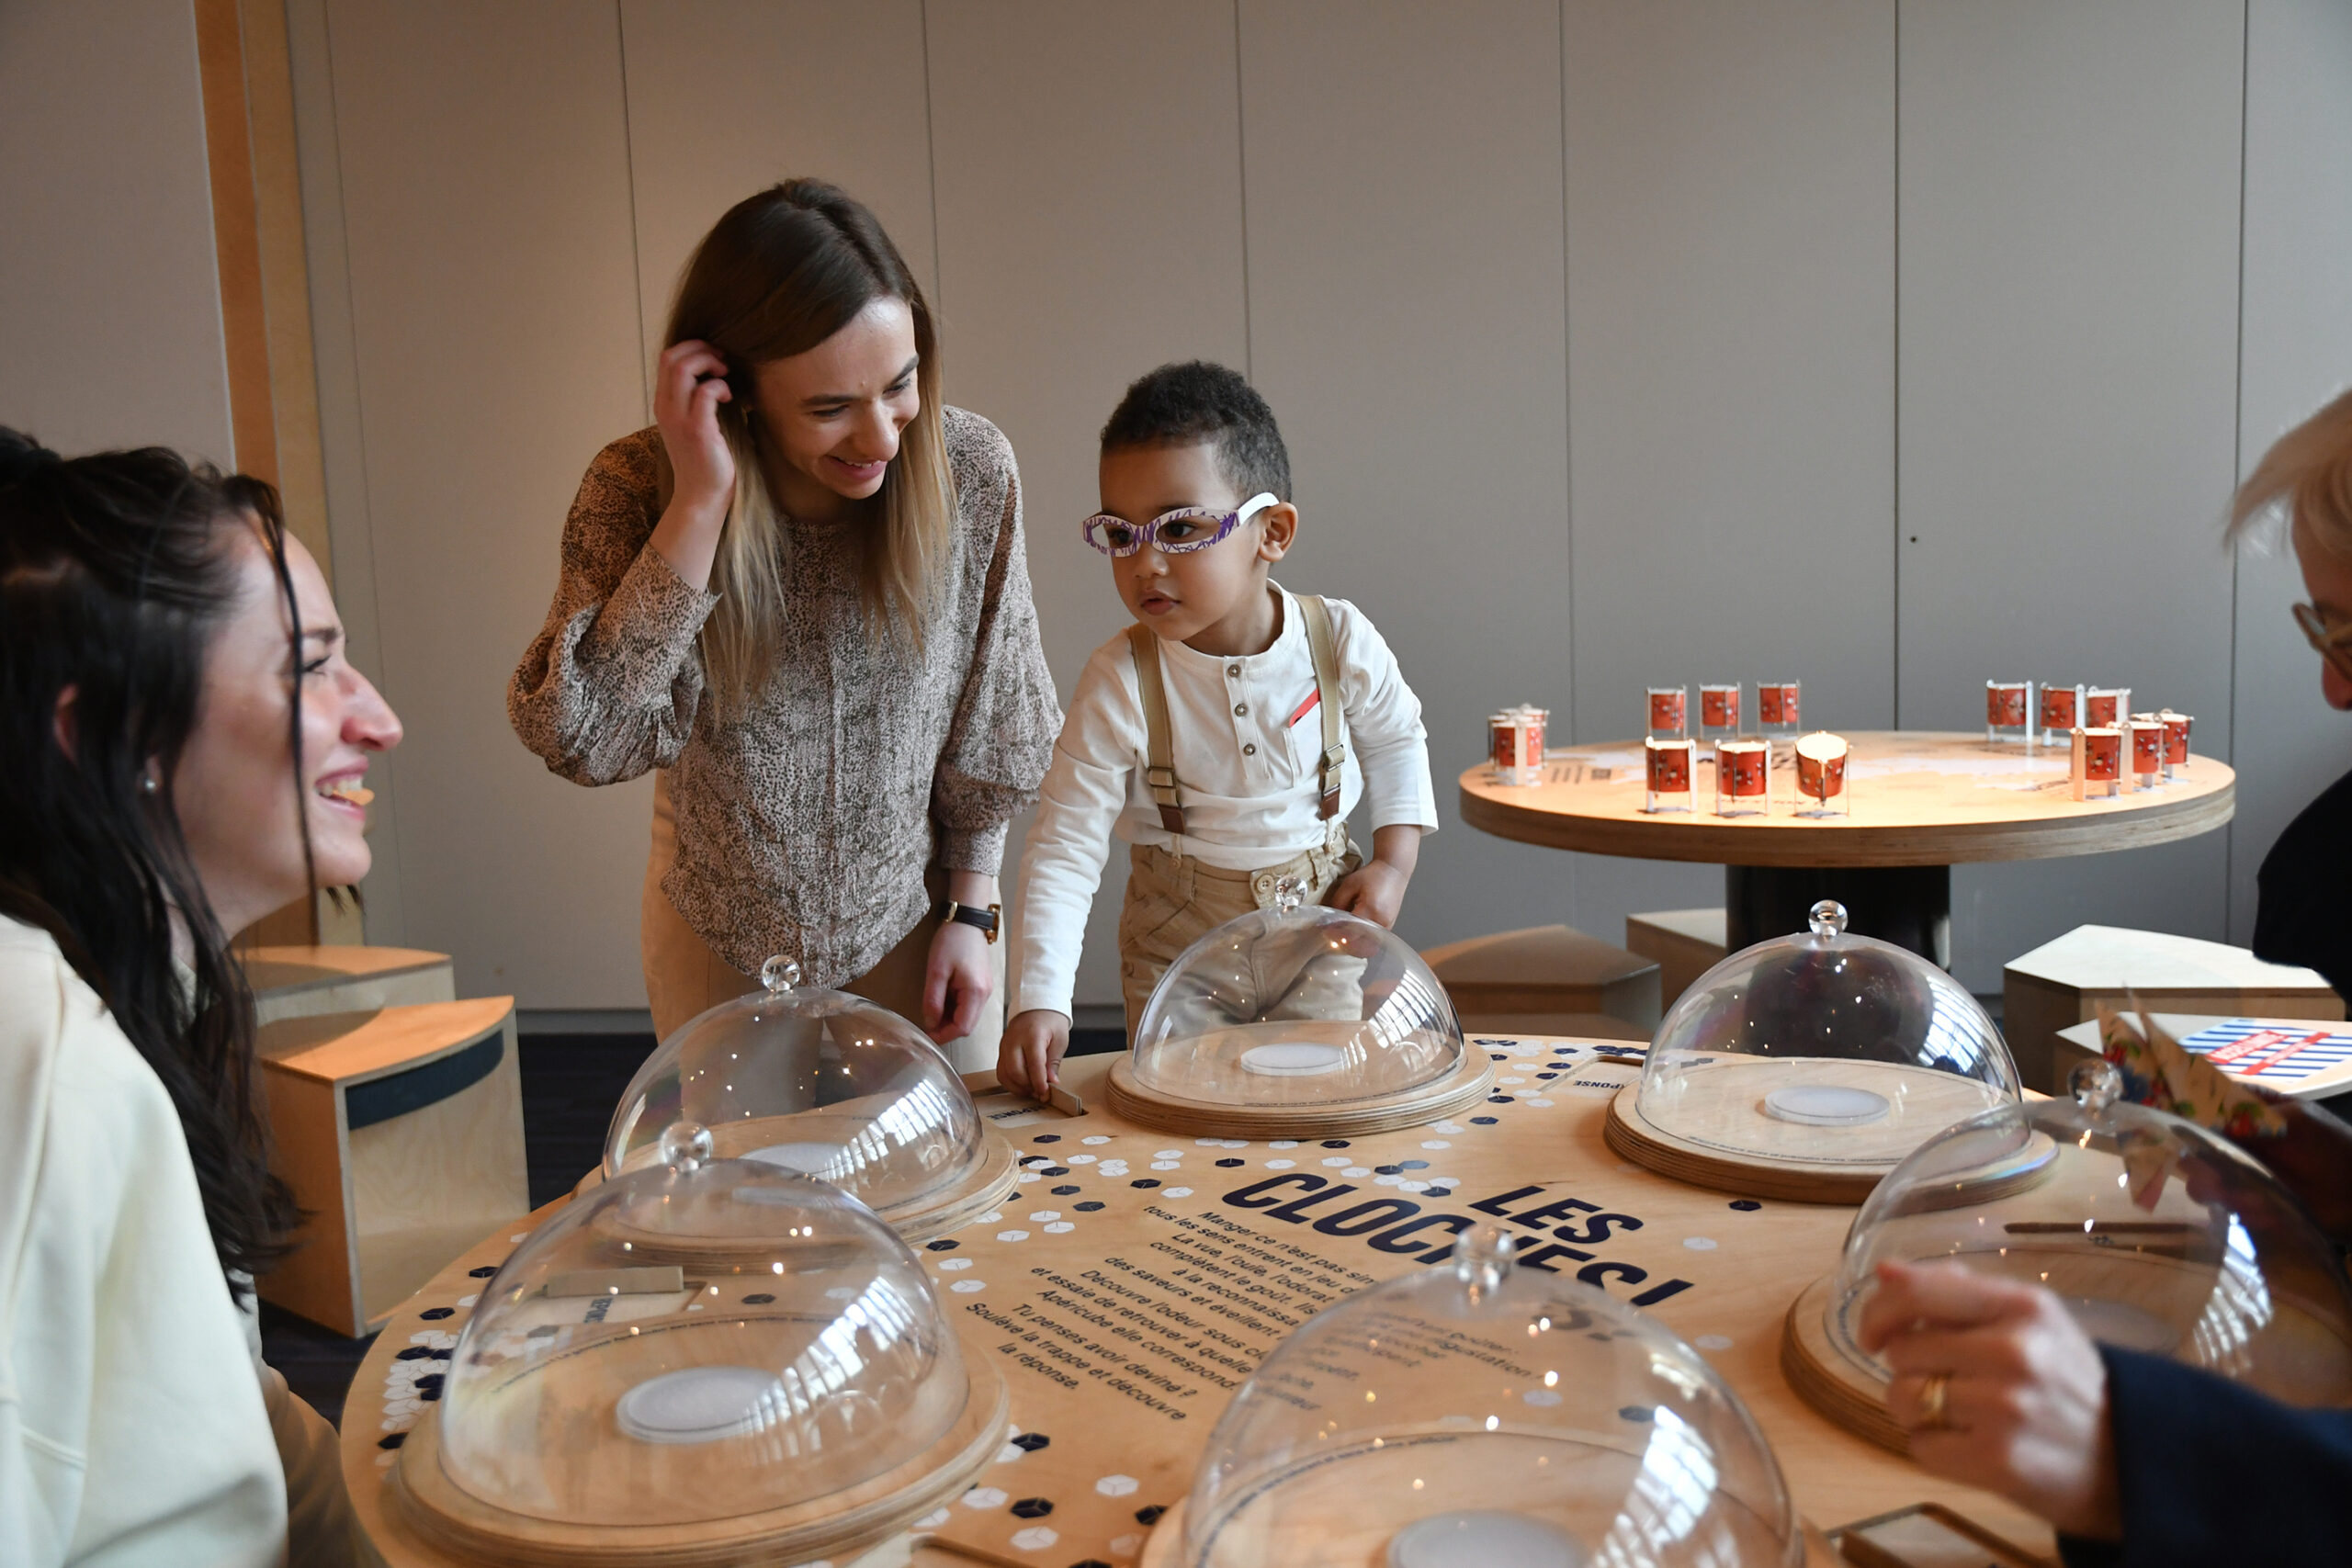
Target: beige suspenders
1159, 771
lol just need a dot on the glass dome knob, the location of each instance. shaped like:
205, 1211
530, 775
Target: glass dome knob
2096, 1084
1827, 918
1482, 1259
779, 973
685, 1146
1288, 894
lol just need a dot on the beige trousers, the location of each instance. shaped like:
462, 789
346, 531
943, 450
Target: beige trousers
1174, 900
683, 976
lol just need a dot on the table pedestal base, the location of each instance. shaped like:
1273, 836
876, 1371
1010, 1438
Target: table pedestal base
1909, 905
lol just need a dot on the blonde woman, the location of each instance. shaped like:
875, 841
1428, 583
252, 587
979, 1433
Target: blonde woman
2302, 916
803, 597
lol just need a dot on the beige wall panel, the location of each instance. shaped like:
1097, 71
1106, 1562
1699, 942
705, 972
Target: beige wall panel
111, 334
2296, 353
1731, 367
1090, 227
1402, 167
728, 97
2067, 302
494, 324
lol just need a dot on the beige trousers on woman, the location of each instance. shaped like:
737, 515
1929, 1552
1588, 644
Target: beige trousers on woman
683, 975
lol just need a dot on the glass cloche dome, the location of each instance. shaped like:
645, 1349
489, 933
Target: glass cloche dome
1824, 1052
2159, 1236
701, 1350
830, 1085
1482, 1415
1297, 1021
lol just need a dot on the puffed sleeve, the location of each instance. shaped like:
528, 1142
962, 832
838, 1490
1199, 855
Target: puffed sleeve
1001, 734
609, 688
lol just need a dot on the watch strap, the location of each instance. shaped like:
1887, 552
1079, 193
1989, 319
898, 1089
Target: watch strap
989, 920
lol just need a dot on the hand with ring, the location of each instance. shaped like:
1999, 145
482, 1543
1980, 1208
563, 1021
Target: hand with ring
1998, 1387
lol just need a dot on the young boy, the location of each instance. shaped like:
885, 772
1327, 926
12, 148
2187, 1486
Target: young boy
1225, 735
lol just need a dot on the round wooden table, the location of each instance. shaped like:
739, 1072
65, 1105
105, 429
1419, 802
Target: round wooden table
1922, 802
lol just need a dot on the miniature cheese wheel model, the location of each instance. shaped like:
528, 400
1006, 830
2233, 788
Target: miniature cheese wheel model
1297, 1021
2157, 1234
1806, 1068
792, 1391
828, 1085
1475, 1415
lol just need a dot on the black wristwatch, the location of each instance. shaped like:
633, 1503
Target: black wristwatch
987, 921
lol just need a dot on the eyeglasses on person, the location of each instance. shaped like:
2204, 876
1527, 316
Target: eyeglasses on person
1177, 532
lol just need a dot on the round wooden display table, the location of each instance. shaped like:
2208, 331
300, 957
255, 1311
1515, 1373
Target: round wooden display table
1165, 1549
1921, 803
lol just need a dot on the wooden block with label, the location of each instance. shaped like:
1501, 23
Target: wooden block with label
1548, 970
401, 1131
2063, 983
1685, 942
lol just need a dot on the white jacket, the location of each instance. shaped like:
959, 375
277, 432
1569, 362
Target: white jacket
132, 1427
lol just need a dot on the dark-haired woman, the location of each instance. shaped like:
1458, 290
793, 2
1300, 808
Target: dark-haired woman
803, 596
184, 745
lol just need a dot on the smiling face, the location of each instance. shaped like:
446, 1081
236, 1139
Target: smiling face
235, 788
834, 415
2328, 578
1215, 599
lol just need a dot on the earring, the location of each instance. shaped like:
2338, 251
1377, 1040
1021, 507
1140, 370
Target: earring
149, 784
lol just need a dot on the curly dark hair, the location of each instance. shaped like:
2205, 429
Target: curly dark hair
116, 570
1183, 405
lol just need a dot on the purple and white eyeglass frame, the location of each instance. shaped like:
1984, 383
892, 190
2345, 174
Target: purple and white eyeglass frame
1104, 531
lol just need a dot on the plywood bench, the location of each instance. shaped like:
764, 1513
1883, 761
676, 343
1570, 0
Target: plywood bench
1547, 970
401, 1131
301, 982
1686, 944
2062, 983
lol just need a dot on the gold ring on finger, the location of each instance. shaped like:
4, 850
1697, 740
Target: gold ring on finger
1933, 1393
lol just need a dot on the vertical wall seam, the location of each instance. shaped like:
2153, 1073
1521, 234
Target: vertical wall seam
1894, 379
629, 165
930, 156
1241, 158
359, 440
1568, 391
2237, 453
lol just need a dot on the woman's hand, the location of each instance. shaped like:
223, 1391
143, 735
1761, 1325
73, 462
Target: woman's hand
959, 982
2023, 1402
687, 391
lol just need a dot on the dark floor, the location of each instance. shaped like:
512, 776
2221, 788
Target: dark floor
571, 1085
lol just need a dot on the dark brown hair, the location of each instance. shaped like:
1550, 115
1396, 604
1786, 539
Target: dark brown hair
778, 274
116, 571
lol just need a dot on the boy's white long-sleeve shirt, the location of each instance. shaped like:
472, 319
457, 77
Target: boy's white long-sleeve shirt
1245, 739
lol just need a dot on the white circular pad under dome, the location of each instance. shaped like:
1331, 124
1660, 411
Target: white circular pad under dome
2159, 1235
1477, 1414
1807, 1066
702, 1356
828, 1085
1294, 1021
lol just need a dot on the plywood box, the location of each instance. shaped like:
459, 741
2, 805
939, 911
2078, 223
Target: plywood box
2063, 982
1548, 969
401, 1131
1686, 944
302, 982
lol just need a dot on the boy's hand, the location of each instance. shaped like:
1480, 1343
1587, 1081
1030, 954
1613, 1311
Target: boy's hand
1029, 1062
1374, 891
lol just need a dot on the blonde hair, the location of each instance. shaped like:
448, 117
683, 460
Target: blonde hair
779, 274
2307, 474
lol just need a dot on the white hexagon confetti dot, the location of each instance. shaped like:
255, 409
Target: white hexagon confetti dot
1280, 1164
1058, 1226
1357, 1171
984, 1498
1167, 1165
991, 1217
966, 1287
1081, 1159
1042, 1215
1012, 1235
1284, 1143
1125, 1545
1095, 1138
954, 1265
1335, 1161
1037, 1538
1435, 1144
1118, 1486
1699, 1243
1170, 1153
1176, 1193
933, 1520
